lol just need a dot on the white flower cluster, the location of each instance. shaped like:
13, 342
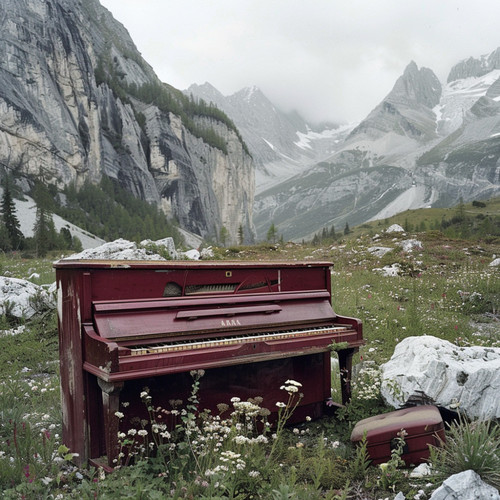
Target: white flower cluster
291, 386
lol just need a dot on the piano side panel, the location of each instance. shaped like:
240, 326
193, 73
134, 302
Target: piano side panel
73, 378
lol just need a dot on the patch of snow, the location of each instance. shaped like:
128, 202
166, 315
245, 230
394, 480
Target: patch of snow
458, 97
26, 214
495, 263
414, 197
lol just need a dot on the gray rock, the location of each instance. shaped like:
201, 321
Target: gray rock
465, 486
437, 371
22, 299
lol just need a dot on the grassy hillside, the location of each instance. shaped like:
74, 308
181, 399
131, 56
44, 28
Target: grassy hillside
446, 288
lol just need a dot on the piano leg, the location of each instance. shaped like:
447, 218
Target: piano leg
111, 404
345, 365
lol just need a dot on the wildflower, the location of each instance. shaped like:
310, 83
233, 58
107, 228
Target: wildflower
119, 414
132, 432
254, 473
142, 432
240, 439
235, 400
293, 382
279, 404
308, 418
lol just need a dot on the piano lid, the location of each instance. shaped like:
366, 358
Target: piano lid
223, 314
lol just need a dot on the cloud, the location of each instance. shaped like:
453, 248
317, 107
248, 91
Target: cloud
328, 59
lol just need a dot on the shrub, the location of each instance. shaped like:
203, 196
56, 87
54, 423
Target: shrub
469, 446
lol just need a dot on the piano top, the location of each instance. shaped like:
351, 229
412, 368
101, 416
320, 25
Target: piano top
223, 314
184, 264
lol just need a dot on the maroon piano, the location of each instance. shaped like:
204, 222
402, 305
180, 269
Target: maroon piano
126, 325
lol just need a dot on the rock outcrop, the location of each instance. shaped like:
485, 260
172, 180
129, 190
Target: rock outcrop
77, 102
466, 485
434, 370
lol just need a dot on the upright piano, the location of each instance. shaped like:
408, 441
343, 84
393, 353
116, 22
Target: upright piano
127, 325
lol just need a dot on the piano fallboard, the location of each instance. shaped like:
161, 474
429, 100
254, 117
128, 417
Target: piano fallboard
201, 316
143, 338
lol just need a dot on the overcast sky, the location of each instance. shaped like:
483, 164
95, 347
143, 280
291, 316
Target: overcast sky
327, 59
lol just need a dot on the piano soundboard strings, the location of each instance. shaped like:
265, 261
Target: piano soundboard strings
183, 345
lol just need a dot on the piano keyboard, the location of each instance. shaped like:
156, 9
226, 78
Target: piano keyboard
184, 345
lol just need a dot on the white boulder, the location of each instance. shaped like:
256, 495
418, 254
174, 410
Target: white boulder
466, 485
192, 254
410, 245
167, 243
117, 250
395, 228
21, 298
438, 371
207, 253
392, 270
379, 251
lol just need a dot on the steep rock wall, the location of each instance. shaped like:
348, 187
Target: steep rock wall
64, 119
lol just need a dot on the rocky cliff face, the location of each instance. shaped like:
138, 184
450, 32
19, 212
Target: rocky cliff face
73, 108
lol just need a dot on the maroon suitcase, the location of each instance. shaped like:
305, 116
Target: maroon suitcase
423, 425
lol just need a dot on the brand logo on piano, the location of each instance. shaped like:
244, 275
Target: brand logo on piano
230, 322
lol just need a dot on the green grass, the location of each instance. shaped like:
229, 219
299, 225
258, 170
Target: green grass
447, 290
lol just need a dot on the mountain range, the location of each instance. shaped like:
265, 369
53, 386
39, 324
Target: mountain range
426, 144
78, 102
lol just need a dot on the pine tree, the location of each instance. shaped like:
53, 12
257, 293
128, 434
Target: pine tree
5, 244
272, 233
347, 229
44, 231
241, 235
223, 234
10, 219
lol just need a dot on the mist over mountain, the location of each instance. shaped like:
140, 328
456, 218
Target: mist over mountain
282, 144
